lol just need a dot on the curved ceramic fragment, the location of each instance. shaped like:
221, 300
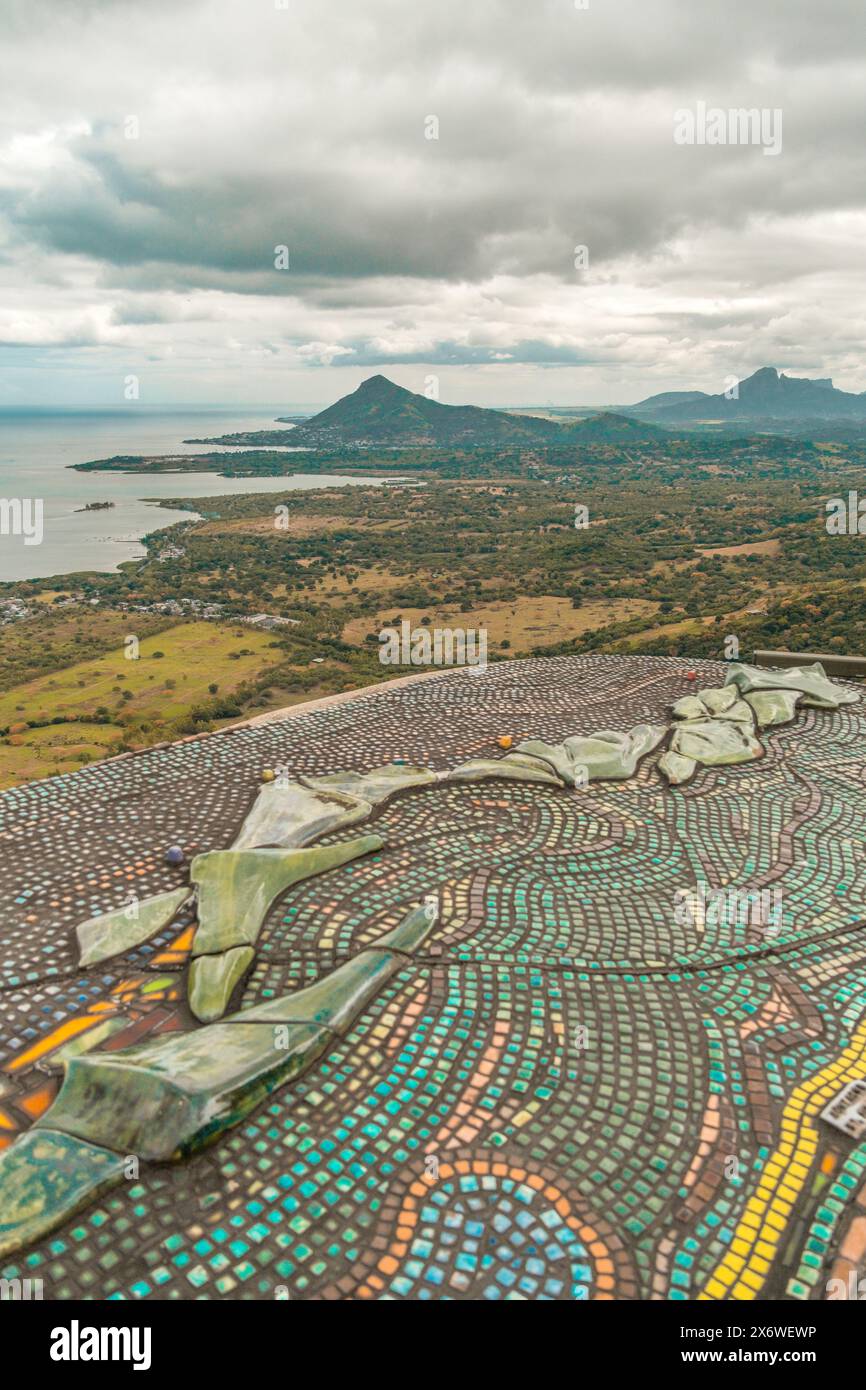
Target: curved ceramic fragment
773, 706
721, 703
689, 707
737, 713
115, 932
45, 1177
676, 768
716, 742
235, 888
291, 815
212, 979
524, 760
608, 755
168, 1097
718, 698
173, 1094
377, 784
411, 932
336, 1001
812, 682
515, 766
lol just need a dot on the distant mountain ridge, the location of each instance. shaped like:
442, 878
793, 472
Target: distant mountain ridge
765, 397
379, 412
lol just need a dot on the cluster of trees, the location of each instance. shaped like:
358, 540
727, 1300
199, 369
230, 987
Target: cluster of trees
491, 526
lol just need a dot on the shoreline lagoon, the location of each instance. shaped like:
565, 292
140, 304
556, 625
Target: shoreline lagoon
38, 449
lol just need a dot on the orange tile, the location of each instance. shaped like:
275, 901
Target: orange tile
70, 1029
38, 1101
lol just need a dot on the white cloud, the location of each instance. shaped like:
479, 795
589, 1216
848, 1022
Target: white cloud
255, 127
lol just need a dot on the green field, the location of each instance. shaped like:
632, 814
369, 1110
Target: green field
131, 702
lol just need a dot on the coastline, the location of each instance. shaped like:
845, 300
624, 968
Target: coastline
39, 449
75, 529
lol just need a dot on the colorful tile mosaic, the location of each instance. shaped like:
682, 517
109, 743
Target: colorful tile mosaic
581, 1086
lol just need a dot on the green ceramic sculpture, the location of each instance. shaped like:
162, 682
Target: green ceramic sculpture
173, 1094
113, 933
812, 682
715, 742
289, 815
773, 706
375, 785
608, 755
235, 888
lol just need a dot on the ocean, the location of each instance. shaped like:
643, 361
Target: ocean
37, 446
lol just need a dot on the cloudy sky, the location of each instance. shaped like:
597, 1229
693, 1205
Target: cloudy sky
153, 156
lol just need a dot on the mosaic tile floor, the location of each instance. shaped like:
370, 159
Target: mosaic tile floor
574, 1091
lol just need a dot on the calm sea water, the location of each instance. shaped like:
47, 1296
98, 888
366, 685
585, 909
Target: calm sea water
36, 448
